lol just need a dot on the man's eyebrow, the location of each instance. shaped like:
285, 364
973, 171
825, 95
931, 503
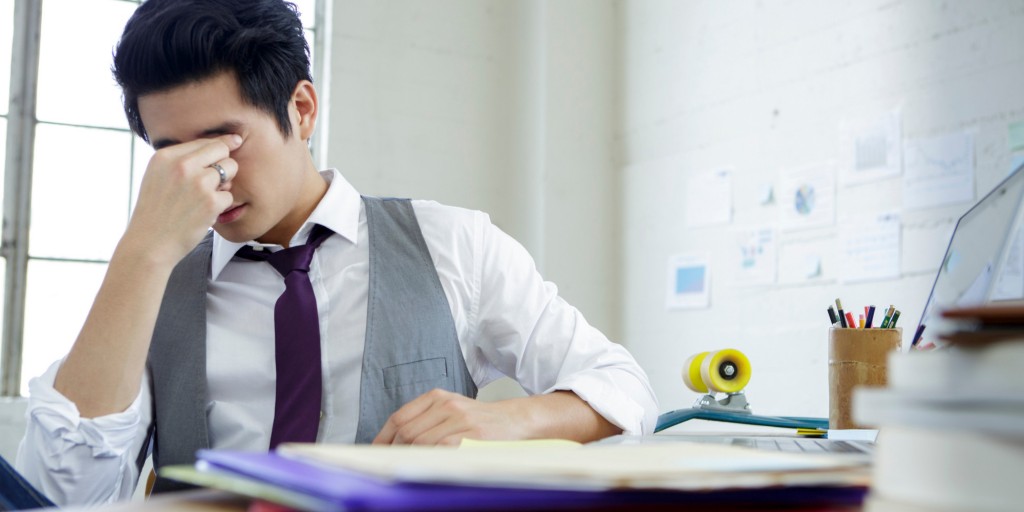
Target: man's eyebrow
222, 129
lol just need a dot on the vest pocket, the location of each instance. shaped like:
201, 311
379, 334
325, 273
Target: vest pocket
426, 370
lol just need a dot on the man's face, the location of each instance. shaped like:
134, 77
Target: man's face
273, 170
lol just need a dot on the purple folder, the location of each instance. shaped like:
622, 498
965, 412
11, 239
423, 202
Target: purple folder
354, 491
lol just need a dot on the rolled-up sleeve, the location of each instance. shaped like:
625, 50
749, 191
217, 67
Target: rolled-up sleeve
81, 461
524, 329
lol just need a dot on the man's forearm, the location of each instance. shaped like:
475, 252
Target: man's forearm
564, 415
443, 417
104, 368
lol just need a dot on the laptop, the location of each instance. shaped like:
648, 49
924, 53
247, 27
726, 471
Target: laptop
984, 262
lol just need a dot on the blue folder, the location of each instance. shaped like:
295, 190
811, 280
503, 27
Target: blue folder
348, 490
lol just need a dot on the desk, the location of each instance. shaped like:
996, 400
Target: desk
731, 500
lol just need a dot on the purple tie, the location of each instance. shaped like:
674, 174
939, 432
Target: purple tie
297, 342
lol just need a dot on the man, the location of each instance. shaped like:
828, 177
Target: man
398, 311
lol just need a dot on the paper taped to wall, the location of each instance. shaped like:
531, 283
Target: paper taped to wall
754, 257
709, 198
688, 282
871, 148
938, 171
807, 197
870, 249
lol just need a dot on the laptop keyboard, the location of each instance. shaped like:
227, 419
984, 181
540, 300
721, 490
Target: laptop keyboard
802, 445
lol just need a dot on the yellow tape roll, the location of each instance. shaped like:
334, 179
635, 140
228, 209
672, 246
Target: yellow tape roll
691, 373
725, 371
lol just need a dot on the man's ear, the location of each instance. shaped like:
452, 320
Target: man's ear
304, 116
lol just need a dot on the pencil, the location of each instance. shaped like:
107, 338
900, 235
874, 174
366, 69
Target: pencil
895, 316
888, 317
842, 316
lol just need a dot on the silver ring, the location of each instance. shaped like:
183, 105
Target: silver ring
220, 170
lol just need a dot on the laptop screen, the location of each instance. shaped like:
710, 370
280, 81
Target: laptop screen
985, 258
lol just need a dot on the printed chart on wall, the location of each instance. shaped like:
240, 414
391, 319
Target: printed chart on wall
921, 242
806, 260
807, 197
871, 249
709, 198
871, 148
754, 257
938, 171
688, 282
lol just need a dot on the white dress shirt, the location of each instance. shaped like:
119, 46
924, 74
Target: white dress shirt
508, 319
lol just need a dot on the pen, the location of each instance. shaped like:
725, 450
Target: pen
871, 315
895, 316
917, 336
888, 316
849, 320
861, 321
832, 315
842, 316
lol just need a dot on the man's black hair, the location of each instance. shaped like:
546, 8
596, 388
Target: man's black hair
168, 43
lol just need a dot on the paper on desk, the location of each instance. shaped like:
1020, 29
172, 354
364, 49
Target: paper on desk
676, 466
537, 443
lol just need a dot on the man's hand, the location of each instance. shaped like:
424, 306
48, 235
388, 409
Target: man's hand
443, 418
181, 196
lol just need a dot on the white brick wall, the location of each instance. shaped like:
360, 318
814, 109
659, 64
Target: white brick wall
761, 86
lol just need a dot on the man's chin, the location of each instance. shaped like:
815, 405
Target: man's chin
232, 233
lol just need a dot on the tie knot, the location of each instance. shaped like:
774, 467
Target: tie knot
293, 258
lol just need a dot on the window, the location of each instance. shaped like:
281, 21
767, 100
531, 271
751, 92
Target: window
84, 168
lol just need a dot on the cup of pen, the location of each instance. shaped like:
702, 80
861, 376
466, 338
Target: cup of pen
856, 357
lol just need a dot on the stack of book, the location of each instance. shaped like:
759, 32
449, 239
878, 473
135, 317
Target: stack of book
952, 420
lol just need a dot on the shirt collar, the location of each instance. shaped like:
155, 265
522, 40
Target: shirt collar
338, 210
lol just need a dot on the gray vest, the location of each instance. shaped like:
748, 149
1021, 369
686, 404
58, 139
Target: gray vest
411, 344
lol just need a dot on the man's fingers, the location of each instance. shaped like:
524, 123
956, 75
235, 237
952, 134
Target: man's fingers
435, 417
230, 168
413, 431
190, 158
447, 431
402, 416
223, 144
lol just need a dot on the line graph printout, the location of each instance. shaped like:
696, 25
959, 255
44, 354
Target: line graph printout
938, 171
